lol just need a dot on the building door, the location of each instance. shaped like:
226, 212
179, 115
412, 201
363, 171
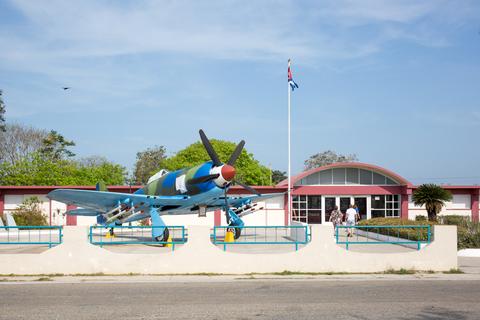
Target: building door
314, 208
330, 203
344, 204
361, 203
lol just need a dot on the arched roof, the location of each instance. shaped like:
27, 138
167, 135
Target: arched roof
358, 165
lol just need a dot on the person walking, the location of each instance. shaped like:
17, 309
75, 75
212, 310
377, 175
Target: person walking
357, 209
350, 219
336, 217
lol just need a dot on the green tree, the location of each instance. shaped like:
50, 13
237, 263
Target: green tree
326, 158
278, 176
37, 170
29, 213
96, 168
433, 197
2, 113
55, 146
147, 162
249, 170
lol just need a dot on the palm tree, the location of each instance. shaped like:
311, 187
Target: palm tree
433, 197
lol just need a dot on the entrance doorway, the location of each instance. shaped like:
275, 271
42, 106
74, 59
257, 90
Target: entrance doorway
330, 203
343, 202
361, 203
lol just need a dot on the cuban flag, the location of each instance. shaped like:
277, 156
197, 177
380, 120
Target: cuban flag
292, 83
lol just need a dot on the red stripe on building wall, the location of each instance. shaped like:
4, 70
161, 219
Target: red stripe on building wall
2, 203
475, 205
217, 217
71, 220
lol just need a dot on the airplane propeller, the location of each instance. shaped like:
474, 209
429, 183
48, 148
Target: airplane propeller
224, 173
247, 187
208, 146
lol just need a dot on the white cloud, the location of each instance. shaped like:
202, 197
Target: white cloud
101, 44
218, 29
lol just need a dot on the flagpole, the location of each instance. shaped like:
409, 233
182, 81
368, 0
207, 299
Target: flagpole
289, 164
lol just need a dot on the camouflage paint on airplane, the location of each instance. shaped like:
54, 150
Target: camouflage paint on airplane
180, 182
203, 188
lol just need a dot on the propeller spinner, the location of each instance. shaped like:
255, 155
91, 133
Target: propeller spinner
222, 174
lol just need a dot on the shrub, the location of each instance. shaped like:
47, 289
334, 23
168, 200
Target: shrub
29, 213
453, 220
145, 222
468, 232
468, 235
413, 234
420, 218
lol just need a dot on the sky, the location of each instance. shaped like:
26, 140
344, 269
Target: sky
395, 82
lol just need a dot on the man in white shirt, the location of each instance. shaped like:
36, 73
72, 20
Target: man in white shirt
351, 219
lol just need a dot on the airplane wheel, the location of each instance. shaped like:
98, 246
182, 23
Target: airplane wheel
164, 236
236, 232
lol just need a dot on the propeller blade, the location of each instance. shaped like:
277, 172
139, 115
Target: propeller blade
227, 216
236, 153
203, 178
246, 187
208, 146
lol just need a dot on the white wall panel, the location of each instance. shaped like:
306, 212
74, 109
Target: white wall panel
459, 201
12, 201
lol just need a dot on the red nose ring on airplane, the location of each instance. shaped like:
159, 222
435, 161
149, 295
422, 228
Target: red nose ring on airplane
222, 174
228, 172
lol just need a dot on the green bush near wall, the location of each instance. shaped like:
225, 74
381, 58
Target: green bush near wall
414, 234
468, 232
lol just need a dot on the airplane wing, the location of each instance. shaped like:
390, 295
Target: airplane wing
241, 200
104, 201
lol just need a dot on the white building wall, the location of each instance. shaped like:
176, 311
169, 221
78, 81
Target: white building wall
189, 220
49, 208
459, 205
271, 214
58, 213
12, 202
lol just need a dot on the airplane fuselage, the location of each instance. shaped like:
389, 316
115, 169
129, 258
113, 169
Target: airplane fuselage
177, 182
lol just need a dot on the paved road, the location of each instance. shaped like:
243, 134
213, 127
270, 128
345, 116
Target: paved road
243, 299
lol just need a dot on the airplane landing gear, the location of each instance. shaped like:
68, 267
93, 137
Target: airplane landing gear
164, 236
236, 231
110, 233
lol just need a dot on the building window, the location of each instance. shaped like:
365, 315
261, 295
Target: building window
307, 209
346, 176
385, 206
299, 208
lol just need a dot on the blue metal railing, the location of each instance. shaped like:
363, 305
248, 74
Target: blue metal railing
292, 235
43, 235
98, 235
401, 235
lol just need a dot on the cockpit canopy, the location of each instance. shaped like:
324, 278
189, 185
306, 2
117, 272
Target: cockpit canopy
157, 175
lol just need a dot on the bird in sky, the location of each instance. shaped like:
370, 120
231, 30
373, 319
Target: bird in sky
66, 88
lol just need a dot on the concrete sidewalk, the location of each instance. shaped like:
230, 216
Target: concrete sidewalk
469, 265
38, 279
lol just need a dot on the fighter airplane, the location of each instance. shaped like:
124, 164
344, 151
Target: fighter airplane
198, 189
